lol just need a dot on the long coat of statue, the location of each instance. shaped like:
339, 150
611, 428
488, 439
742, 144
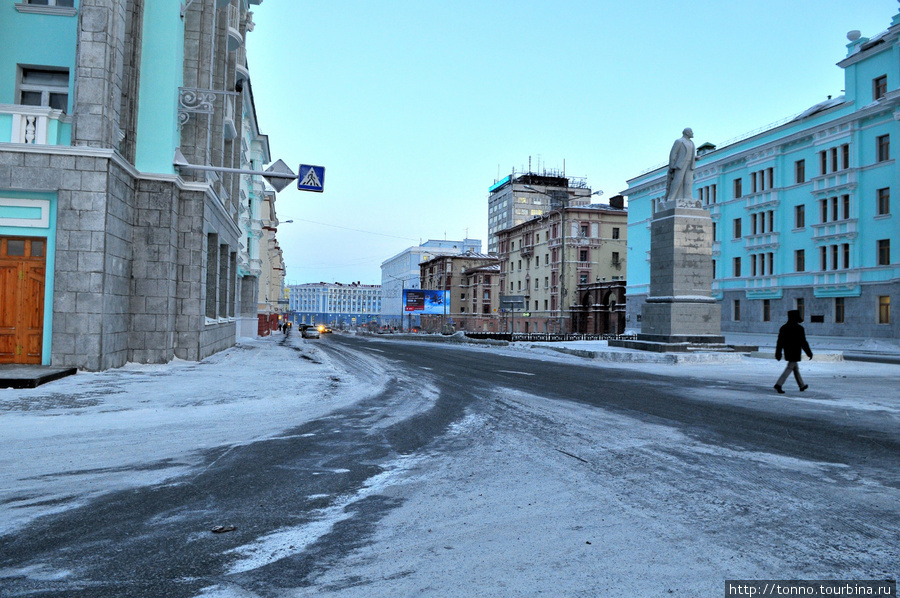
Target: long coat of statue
680, 179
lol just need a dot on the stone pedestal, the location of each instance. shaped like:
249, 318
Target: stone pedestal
681, 321
680, 308
680, 311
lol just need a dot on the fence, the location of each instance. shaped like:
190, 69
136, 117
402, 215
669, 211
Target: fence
545, 337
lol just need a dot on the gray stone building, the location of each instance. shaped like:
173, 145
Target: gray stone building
126, 257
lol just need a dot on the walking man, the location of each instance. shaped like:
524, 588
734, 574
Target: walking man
792, 340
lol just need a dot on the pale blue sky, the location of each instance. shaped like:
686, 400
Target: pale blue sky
414, 107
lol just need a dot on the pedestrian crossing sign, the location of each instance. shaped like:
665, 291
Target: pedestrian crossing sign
311, 178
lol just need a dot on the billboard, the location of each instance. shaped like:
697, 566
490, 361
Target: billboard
425, 301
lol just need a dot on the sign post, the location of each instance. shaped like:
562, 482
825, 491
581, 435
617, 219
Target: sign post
512, 303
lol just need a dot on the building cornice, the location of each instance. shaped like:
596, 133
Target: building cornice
116, 158
890, 103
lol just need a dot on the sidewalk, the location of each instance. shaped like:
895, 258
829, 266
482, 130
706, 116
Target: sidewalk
852, 348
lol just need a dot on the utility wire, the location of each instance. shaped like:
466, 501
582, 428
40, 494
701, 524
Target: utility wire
368, 232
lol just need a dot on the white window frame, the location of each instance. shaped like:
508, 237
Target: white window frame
46, 9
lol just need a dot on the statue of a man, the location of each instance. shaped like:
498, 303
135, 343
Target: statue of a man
680, 179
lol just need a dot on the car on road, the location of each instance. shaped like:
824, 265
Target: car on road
310, 332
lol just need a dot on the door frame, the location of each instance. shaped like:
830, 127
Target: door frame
33, 214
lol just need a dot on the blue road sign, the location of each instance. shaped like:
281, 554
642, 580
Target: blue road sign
311, 178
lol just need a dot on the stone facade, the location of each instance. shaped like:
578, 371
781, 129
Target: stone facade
535, 264
473, 282
143, 263
681, 307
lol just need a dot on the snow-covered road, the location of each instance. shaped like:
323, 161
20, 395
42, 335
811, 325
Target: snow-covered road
523, 495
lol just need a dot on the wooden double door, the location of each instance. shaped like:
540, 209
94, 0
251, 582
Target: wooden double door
22, 274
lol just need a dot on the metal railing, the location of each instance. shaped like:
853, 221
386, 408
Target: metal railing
544, 337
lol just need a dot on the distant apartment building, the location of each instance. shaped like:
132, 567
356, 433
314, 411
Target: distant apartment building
804, 213
402, 272
519, 197
109, 253
334, 304
472, 281
537, 264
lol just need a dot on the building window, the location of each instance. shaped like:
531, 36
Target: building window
838, 310
845, 156
845, 207
44, 87
767, 310
884, 309
738, 189
615, 232
883, 143
846, 252
582, 255
736, 310
879, 87
62, 3
800, 216
884, 252
800, 171
737, 228
800, 260
884, 202
212, 273
582, 278
736, 267
823, 162
800, 305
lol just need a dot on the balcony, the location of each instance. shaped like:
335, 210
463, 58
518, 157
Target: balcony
763, 287
38, 125
240, 64
838, 281
827, 231
763, 241
834, 182
527, 250
762, 199
230, 129
235, 39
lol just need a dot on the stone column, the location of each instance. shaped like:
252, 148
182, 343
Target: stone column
680, 308
99, 68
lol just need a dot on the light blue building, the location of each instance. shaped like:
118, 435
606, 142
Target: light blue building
802, 212
110, 253
335, 304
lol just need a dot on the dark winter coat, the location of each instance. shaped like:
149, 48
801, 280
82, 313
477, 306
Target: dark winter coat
792, 339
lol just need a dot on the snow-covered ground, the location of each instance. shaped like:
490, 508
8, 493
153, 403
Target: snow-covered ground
549, 498
88, 434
